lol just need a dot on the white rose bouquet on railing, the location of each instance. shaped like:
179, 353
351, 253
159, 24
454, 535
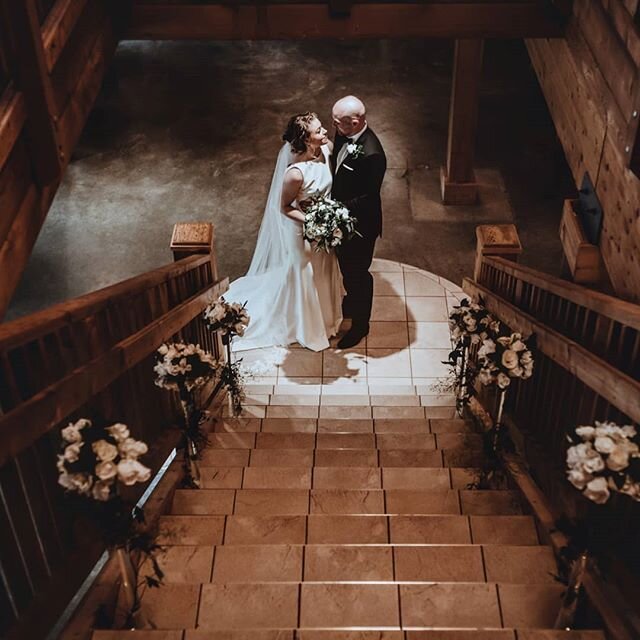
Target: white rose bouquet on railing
94, 463
185, 368
602, 460
230, 319
327, 223
469, 323
502, 358
606, 459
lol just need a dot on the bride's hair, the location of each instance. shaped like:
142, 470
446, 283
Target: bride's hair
297, 132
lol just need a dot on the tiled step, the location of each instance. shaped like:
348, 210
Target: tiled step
338, 425
343, 399
226, 606
337, 477
345, 502
358, 412
358, 563
347, 529
457, 457
336, 634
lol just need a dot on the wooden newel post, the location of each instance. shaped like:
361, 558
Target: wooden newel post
190, 238
496, 240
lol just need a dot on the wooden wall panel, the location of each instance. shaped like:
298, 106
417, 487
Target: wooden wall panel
591, 81
76, 44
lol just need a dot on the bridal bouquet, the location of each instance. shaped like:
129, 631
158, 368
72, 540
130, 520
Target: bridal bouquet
327, 223
606, 458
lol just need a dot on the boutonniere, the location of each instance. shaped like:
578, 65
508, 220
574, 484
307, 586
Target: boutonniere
355, 150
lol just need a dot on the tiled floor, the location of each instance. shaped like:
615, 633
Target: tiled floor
407, 342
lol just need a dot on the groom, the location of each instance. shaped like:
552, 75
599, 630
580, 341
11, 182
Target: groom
358, 164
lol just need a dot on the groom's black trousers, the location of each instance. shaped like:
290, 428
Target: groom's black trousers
355, 258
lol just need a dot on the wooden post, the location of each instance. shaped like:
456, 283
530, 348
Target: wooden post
33, 80
189, 238
457, 180
496, 240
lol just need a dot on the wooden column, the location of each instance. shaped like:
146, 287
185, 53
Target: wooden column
457, 179
496, 240
33, 80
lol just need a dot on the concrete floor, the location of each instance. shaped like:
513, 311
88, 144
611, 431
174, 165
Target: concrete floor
190, 131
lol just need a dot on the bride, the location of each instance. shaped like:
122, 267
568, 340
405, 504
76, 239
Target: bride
293, 293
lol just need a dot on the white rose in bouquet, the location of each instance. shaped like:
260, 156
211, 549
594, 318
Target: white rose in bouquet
71, 433
604, 444
593, 463
618, 459
81, 482
101, 491
133, 449
578, 478
104, 450
510, 359
597, 490
120, 432
503, 380
72, 451
586, 432
131, 471
106, 470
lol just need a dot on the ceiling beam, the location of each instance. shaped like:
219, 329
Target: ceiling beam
287, 21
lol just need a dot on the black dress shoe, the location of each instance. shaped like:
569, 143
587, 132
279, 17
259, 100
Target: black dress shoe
352, 337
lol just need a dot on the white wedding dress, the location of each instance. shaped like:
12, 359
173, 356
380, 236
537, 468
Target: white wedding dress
293, 293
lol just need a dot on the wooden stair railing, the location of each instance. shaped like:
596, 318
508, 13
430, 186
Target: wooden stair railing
92, 356
605, 325
586, 369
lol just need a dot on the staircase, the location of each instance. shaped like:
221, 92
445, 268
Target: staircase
340, 510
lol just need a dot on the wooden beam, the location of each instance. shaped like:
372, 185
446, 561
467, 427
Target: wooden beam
284, 21
622, 391
32, 78
457, 179
13, 113
58, 26
22, 426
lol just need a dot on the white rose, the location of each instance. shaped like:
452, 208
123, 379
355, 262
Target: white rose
505, 341
488, 346
629, 431
163, 350
60, 466
618, 459
631, 489
72, 451
101, 491
64, 480
80, 482
579, 453
518, 345
510, 359
593, 464
518, 372
586, 432
105, 451
131, 471
120, 432
71, 433
526, 357
603, 444
503, 380
337, 233
494, 325
131, 448
106, 470
597, 490
579, 478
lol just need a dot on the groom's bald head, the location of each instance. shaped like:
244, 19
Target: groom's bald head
349, 115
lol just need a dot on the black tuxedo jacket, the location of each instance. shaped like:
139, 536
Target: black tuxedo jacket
357, 182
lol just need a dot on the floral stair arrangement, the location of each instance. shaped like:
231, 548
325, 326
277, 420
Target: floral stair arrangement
185, 369
94, 464
603, 461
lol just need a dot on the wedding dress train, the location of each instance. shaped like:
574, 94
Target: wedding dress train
293, 293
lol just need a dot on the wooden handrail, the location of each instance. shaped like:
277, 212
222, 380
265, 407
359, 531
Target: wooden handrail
21, 330
621, 311
58, 26
19, 429
13, 113
617, 388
